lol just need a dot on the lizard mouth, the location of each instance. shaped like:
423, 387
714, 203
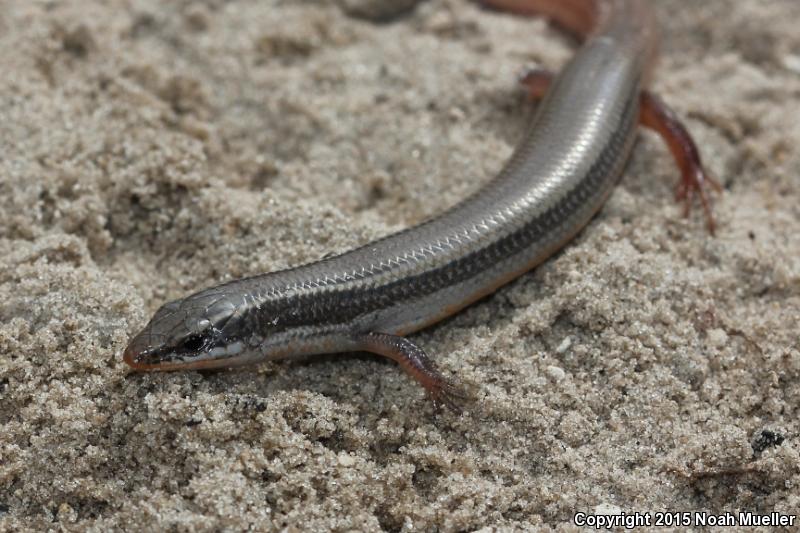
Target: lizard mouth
142, 359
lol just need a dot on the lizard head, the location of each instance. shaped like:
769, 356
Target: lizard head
186, 334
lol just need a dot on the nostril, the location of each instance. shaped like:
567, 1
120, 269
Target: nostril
129, 356
132, 355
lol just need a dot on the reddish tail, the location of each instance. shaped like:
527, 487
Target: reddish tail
578, 17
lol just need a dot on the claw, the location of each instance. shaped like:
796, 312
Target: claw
448, 394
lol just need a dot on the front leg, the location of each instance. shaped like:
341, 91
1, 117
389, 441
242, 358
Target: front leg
417, 364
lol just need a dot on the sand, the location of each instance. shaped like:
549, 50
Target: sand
149, 149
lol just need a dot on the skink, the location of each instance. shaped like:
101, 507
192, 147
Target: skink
370, 298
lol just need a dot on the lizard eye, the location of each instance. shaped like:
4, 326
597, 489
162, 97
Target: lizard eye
193, 343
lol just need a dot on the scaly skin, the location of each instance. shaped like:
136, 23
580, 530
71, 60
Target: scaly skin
561, 173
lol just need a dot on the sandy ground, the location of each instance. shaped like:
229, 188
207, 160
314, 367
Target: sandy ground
149, 149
